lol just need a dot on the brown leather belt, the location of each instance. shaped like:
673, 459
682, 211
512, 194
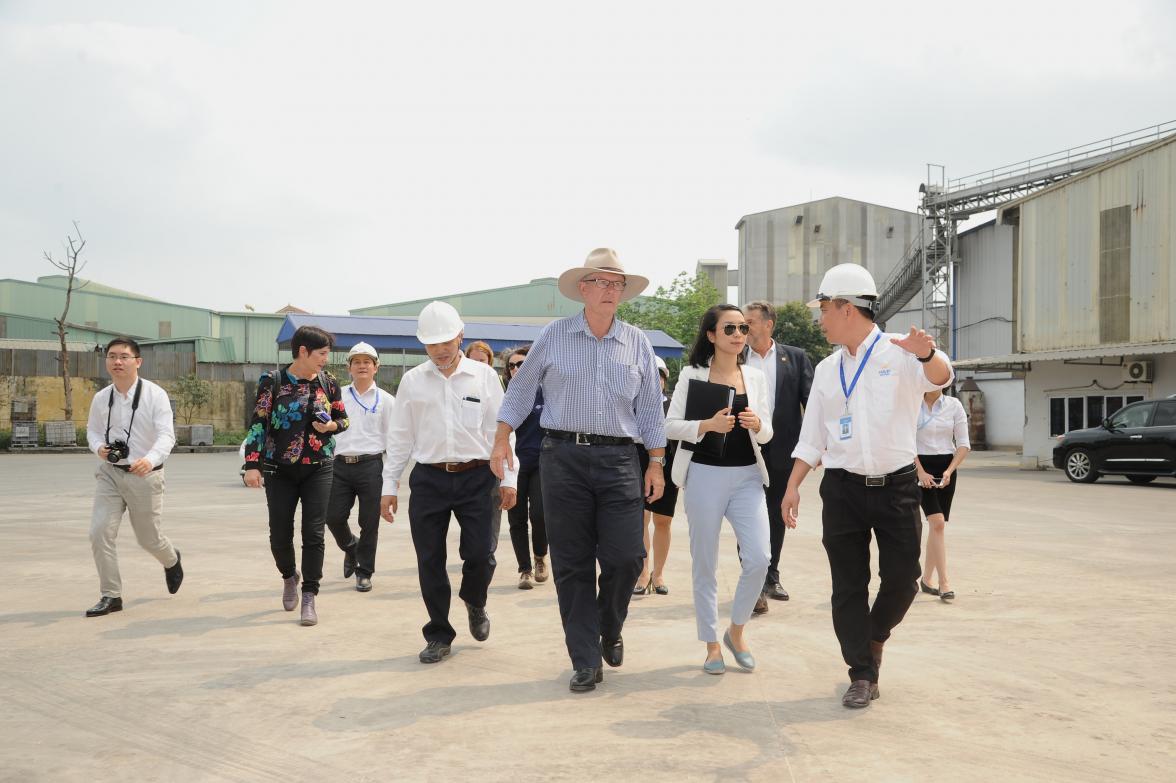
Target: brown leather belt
457, 467
127, 468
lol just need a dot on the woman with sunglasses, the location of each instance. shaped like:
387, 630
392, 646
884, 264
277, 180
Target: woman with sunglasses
730, 485
528, 438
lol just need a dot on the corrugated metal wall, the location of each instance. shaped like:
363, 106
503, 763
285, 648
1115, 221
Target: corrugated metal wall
783, 261
984, 302
1060, 257
126, 315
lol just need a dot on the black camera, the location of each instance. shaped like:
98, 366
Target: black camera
119, 450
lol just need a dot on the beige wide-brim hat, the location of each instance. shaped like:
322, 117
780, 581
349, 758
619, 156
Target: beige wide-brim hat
602, 259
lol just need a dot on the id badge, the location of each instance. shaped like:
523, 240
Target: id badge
846, 423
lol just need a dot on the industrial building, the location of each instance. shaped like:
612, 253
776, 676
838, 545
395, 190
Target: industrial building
784, 253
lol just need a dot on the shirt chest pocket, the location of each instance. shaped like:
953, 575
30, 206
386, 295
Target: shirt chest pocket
470, 412
622, 379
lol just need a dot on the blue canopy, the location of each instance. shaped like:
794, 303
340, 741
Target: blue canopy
399, 334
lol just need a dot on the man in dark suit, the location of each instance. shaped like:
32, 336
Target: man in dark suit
790, 374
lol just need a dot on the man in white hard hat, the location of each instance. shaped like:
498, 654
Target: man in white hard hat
600, 391
860, 423
358, 475
445, 418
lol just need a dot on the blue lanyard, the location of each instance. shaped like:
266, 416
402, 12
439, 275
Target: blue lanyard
858, 374
360, 404
924, 421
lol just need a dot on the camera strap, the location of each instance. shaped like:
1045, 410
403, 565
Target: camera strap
134, 407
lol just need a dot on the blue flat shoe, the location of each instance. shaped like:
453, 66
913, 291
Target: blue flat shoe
745, 659
715, 667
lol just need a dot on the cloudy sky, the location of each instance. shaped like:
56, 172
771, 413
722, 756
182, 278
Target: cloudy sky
351, 154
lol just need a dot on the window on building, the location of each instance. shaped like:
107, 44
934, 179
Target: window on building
1075, 413
165, 330
1114, 275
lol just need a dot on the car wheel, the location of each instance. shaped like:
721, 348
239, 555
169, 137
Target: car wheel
1080, 467
1141, 479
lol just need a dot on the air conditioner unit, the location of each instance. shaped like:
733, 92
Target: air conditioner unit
1139, 370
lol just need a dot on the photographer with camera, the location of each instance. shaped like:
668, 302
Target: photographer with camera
130, 429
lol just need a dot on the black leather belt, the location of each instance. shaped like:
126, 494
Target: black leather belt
127, 468
352, 459
587, 439
901, 474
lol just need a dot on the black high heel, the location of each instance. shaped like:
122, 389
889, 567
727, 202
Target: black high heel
926, 588
639, 590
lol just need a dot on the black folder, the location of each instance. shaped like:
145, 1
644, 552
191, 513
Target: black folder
703, 400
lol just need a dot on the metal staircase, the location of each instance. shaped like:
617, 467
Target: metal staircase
928, 264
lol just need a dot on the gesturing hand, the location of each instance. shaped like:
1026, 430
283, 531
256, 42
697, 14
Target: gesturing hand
917, 342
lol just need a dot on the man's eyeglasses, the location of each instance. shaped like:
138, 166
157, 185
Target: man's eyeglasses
602, 284
729, 329
125, 357
515, 365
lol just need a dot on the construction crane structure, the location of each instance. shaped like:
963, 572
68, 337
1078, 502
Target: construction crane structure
928, 263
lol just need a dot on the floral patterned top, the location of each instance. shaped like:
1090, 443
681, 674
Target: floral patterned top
289, 439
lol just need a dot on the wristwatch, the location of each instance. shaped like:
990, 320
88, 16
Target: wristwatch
927, 358
659, 460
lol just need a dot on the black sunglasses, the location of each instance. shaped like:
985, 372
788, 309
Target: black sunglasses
515, 365
729, 329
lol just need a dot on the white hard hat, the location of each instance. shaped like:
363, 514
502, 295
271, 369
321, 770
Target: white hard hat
363, 349
438, 323
852, 282
661, 365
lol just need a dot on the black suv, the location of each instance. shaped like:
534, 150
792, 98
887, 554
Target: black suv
1137, 441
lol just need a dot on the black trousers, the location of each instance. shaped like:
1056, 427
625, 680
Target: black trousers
435, 495
529, 505
774, 495
592, 496
851, 511
360, 481
285, 487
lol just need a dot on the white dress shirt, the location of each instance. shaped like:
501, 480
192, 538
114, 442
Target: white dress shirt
766, 365
883, 409
943, 428
439, 419
370, 415
152, 435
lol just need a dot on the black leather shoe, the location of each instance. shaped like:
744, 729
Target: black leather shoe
613, 651
363, 583
776, 592
105, 605
434, 652
174, 576
859, 695
348, 562
479, 622
586, 679
761, 605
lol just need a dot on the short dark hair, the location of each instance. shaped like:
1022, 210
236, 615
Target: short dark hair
312, 337
764, 307
704, 349
128, 342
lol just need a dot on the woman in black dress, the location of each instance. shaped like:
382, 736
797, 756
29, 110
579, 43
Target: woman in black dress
661, 511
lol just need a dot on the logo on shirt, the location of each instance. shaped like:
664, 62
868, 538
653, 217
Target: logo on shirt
884, 372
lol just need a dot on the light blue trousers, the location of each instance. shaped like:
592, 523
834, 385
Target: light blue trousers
737, 494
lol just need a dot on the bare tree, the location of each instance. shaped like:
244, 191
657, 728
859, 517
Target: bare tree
71, 266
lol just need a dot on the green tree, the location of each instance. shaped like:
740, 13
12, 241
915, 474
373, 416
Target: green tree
795, 326
676, 310
191, 394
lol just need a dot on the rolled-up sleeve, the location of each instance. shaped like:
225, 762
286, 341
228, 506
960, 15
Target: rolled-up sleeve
812, 443
961, 427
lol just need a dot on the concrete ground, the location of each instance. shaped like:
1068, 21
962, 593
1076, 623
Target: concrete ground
1054, 663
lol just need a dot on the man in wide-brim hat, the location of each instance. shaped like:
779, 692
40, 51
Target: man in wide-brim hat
601, 391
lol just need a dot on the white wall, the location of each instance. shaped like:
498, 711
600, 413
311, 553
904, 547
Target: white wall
1004, 410
1051, 379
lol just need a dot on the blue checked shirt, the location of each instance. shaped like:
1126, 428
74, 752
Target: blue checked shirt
608, 386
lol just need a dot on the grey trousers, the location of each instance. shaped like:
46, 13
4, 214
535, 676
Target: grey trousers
737, 494
142, 498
